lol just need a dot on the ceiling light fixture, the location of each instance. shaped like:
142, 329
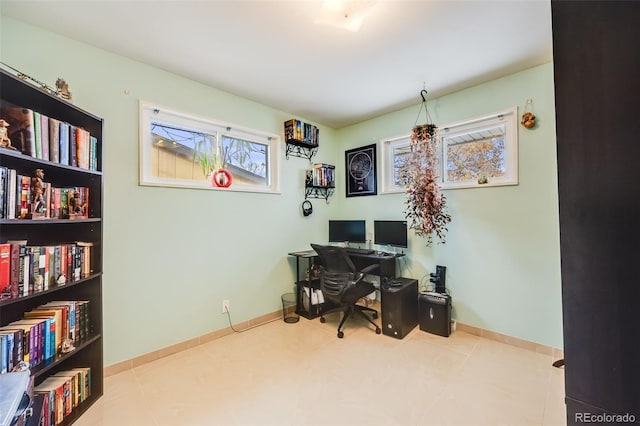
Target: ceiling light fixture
345, 14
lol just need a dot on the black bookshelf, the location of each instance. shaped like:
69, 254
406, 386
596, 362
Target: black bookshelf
43, 232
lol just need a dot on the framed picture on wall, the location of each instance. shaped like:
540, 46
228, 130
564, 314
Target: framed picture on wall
360, 164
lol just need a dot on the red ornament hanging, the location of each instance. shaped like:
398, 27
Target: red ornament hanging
221, 178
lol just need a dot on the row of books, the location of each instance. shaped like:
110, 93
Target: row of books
63, 392
299, 131
321, 175
27, 269
46, 138
29, 197
43, 333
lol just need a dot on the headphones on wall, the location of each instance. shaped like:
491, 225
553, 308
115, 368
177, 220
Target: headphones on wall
307, 208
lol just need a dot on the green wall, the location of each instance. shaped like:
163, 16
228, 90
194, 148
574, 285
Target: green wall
502, 251
172, 255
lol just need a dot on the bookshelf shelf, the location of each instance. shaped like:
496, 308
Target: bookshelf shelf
320, 181
301, 139
297, 148
51, 233
322, 192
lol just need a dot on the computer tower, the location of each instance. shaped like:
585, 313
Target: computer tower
435, 313
399, 303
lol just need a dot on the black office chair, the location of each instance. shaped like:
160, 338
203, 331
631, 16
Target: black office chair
343, 285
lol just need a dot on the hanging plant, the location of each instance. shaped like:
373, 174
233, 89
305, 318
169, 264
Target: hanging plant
426, 205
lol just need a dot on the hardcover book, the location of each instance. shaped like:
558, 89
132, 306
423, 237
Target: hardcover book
44, 136
54, 140
5, 267
64, 143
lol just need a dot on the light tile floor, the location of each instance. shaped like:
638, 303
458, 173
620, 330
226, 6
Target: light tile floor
302, 374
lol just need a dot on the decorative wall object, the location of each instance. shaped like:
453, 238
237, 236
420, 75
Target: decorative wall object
360, 164
528, 119
426, 205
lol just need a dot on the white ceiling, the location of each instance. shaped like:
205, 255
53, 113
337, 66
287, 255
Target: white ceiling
273, 53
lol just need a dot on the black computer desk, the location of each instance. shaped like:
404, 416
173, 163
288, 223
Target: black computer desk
386, 261
386, 269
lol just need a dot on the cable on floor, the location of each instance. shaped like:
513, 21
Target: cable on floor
248, 328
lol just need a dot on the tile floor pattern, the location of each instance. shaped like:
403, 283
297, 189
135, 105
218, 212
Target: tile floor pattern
302, 374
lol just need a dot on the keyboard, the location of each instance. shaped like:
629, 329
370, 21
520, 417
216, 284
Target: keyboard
354, 250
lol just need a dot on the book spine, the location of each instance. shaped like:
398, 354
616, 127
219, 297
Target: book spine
44, 129
3, 351
64, 143
73, 146
11, 195
93, 153
54, 140
4, 178
25, 197
27, 273
37, 134
5, 267
14, 285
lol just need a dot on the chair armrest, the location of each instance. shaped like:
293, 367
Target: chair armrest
369, 269
360, 275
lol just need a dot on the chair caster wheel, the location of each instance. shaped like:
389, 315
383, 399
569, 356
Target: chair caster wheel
322, 320
340, 334
378, 330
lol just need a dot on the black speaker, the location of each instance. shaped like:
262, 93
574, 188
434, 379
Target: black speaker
435, 313
399, 305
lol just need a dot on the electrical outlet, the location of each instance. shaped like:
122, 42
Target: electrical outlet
225, 306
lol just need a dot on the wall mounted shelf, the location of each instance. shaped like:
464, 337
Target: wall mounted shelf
323, 192
297, 148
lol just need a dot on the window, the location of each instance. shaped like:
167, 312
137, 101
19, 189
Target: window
477, 152
480, 152
395, 153
170, 142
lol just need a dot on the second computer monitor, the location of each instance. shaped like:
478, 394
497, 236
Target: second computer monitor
353, 231
390, 232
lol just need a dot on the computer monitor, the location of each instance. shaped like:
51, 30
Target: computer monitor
341, 231
390, 232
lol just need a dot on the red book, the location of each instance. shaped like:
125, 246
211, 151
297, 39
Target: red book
5, 266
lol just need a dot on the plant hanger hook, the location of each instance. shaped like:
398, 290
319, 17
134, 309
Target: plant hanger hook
423, 95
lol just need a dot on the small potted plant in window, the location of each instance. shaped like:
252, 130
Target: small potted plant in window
210, 155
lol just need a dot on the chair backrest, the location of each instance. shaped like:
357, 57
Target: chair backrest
337, 270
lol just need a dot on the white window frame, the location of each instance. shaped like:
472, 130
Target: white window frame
506, 117
387, 146
150, 112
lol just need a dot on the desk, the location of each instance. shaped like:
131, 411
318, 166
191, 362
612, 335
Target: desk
386, 269
386, 261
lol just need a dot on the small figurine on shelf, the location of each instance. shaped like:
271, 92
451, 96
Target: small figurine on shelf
77, 208
63, 90
37, 191
66, 346
5, 142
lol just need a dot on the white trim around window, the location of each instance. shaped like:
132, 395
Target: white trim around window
491, 139
168, 161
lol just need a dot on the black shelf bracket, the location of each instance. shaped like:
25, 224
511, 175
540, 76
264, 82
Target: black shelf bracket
296, 148
323, 192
